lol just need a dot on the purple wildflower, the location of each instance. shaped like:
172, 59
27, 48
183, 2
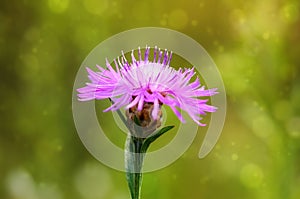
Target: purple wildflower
148, 81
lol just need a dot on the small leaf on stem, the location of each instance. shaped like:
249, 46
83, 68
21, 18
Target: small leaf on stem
152, 138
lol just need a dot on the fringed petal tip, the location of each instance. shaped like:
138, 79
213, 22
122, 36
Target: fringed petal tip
213, 91
84, 98
199, 123
214, 109
208, 108
90, 71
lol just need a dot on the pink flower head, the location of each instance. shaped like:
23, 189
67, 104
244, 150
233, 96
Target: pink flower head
148, 81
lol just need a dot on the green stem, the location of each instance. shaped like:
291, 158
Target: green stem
135, 150
133, 163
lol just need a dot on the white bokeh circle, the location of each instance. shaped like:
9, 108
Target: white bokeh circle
84, 113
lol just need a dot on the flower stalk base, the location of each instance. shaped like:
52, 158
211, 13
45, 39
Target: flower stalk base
135, 150
134, 158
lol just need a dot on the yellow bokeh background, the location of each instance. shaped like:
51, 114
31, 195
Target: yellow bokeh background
255, 45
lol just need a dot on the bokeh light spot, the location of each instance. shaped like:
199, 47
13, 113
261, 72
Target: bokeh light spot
92, 181
163, 22
178, 19
252, 176
293, 127
58, 6
21, 185
290, 13
194, 22
263, 126
46, 191
266, 35
96, 7
234, 157
31, 63
237, 18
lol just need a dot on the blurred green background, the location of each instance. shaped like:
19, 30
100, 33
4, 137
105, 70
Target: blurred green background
255, 44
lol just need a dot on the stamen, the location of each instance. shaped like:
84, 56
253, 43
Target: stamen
154, 54
140, 54
170, 57
165, 57
147, 53
160, 55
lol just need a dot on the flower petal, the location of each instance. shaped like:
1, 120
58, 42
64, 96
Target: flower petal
148, 81
155, 109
